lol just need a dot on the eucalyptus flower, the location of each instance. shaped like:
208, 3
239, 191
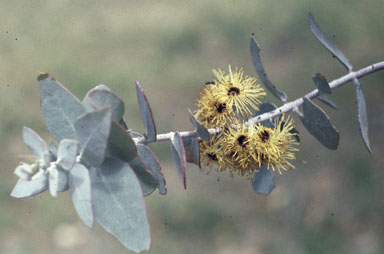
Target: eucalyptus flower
212, 153
231, 93
241, 92
275, 147
240, 149
213, 109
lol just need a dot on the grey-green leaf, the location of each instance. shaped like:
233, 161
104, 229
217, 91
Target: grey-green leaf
263, 181
192, 150
92, 131
119, 205
52, 150
326, 41
265, 107
362, 114
256, 60
318, 124
67, 152
120, 143
63, 182
60, 108
324, 99
35, 143
101, 98
178, 155
53, 181
123, 124
146, 178
146, 113
199, 127
24, 189
321, 83
153, 165
102, 87
80, 188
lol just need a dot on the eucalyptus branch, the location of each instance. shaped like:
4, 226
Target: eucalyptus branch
287, 107
109, 169
313, 94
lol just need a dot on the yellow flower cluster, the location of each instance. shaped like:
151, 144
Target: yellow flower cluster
230, 94
239, 147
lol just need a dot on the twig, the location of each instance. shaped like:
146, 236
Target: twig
287, 107
183, 134
334, 84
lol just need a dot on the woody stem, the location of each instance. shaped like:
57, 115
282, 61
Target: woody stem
287, 107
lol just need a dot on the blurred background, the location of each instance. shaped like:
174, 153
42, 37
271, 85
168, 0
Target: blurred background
333, 201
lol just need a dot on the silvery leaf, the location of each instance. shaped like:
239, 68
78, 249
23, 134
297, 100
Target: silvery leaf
80, 188
119, 205
67, 152
24, 189
92, 131
60, 108
35, 143
178, 155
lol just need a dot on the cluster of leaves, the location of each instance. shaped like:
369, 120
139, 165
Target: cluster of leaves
108, 168
98, 159
314, 119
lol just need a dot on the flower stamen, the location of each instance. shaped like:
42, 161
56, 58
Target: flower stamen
233, 91
242, 140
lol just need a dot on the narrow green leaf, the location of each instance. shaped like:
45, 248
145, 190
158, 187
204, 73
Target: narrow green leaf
119, 205
92, 131
192, 150
178, 155
324, 99
101, 98
120, 143
256, 60
146, 178
152, 163
199, 127
146, 113
362, 114
263, 181
318, 124
80, 187
24, 189
59, 107
326, 41
321, 83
